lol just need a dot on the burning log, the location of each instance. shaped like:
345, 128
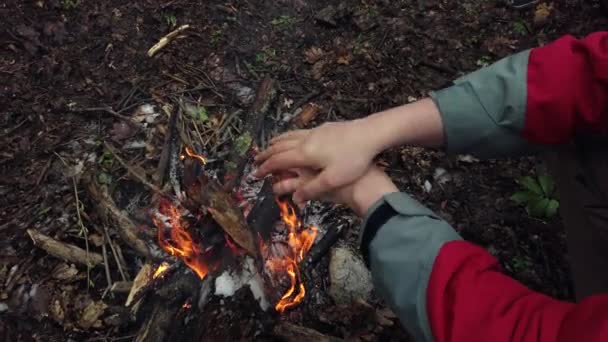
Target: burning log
65, 251
124, 226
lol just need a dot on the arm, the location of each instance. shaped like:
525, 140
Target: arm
541, 96
445, 289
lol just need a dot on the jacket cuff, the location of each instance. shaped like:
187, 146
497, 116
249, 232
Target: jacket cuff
401, 255
484, 112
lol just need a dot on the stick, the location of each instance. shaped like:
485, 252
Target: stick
116, 258
125, 227
106, 265
322, 246
235, 164
65, 251
161, 170
140, 177
166, 40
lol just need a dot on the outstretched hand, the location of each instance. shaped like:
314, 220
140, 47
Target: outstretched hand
359, 195
337, 153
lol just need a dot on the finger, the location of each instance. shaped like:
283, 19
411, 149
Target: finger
283, 161
275, 149
286, 186
314, 188
291, 135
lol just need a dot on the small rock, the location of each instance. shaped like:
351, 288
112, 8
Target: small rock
349, 278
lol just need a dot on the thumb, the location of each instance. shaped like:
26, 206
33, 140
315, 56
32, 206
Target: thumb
314, 188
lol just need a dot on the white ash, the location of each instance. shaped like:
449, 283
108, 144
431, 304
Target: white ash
231, 281
441, 176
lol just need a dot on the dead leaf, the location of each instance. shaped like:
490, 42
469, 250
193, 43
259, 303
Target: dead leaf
541, 14
309, 112
90, 315
312, 55
319, 68
344, 58
57, 311
64, 272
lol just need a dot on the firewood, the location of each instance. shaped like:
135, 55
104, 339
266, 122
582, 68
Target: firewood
295, 333
163, 161
121, 287
142, 279
125, 227
63, 250
236, 162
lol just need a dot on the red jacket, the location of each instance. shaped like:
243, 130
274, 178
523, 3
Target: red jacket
446, 289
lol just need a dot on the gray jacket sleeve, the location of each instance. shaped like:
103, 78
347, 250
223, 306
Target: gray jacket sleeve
399, 241
484, 112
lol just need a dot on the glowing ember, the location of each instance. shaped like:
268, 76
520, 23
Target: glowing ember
180, 242
191, 154
299, 242
160, 270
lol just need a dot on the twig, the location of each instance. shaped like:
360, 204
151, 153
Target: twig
63, 250
166, 40
83, 230
141, 178
108, 110
116, 258
161, 169
106, 264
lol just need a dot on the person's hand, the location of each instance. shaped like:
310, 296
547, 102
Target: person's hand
359, 195
341, 152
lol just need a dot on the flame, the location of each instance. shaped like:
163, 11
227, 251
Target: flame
180, 243
299, 241
160, 270
191, 154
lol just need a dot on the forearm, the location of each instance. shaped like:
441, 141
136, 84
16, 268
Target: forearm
416, 124
446, 289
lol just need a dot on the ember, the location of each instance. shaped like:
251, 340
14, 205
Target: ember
160, 270
191, 154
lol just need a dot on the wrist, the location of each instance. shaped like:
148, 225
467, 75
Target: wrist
369, 190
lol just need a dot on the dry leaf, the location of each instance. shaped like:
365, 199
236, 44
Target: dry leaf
309, 112
64, 272
541, 15
318, 69
90, 314
345, 59
313, 54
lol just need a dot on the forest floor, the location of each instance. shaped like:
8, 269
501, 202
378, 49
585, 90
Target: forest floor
70, 69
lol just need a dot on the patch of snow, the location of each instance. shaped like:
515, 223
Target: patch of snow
441, 176
428, 186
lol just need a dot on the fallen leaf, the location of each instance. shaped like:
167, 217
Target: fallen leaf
309, 112
121, 131
541, 14
344, 58
313, 54
91, 314
319, 68
64, 272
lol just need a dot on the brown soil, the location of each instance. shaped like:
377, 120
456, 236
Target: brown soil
62, 58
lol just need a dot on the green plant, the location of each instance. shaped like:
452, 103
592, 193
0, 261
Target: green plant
484, 61
538, 195
283, 22
170, 19
69, 4
521, 27
216, 37
264, 55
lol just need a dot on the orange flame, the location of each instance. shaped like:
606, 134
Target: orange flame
191, 154
299, 241
180, 243
160, 270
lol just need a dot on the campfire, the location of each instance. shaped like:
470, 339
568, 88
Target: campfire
289, 243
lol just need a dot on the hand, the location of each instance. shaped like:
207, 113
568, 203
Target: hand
359, 195
339, 152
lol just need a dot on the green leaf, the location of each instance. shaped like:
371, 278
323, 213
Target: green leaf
243, 143
522, 197
546, 184
551, 209
538, 208
104, 178
531, 184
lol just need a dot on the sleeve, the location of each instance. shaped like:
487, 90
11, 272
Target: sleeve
543, 96
446, 289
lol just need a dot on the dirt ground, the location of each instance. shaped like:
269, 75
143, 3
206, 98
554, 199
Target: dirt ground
69, 69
